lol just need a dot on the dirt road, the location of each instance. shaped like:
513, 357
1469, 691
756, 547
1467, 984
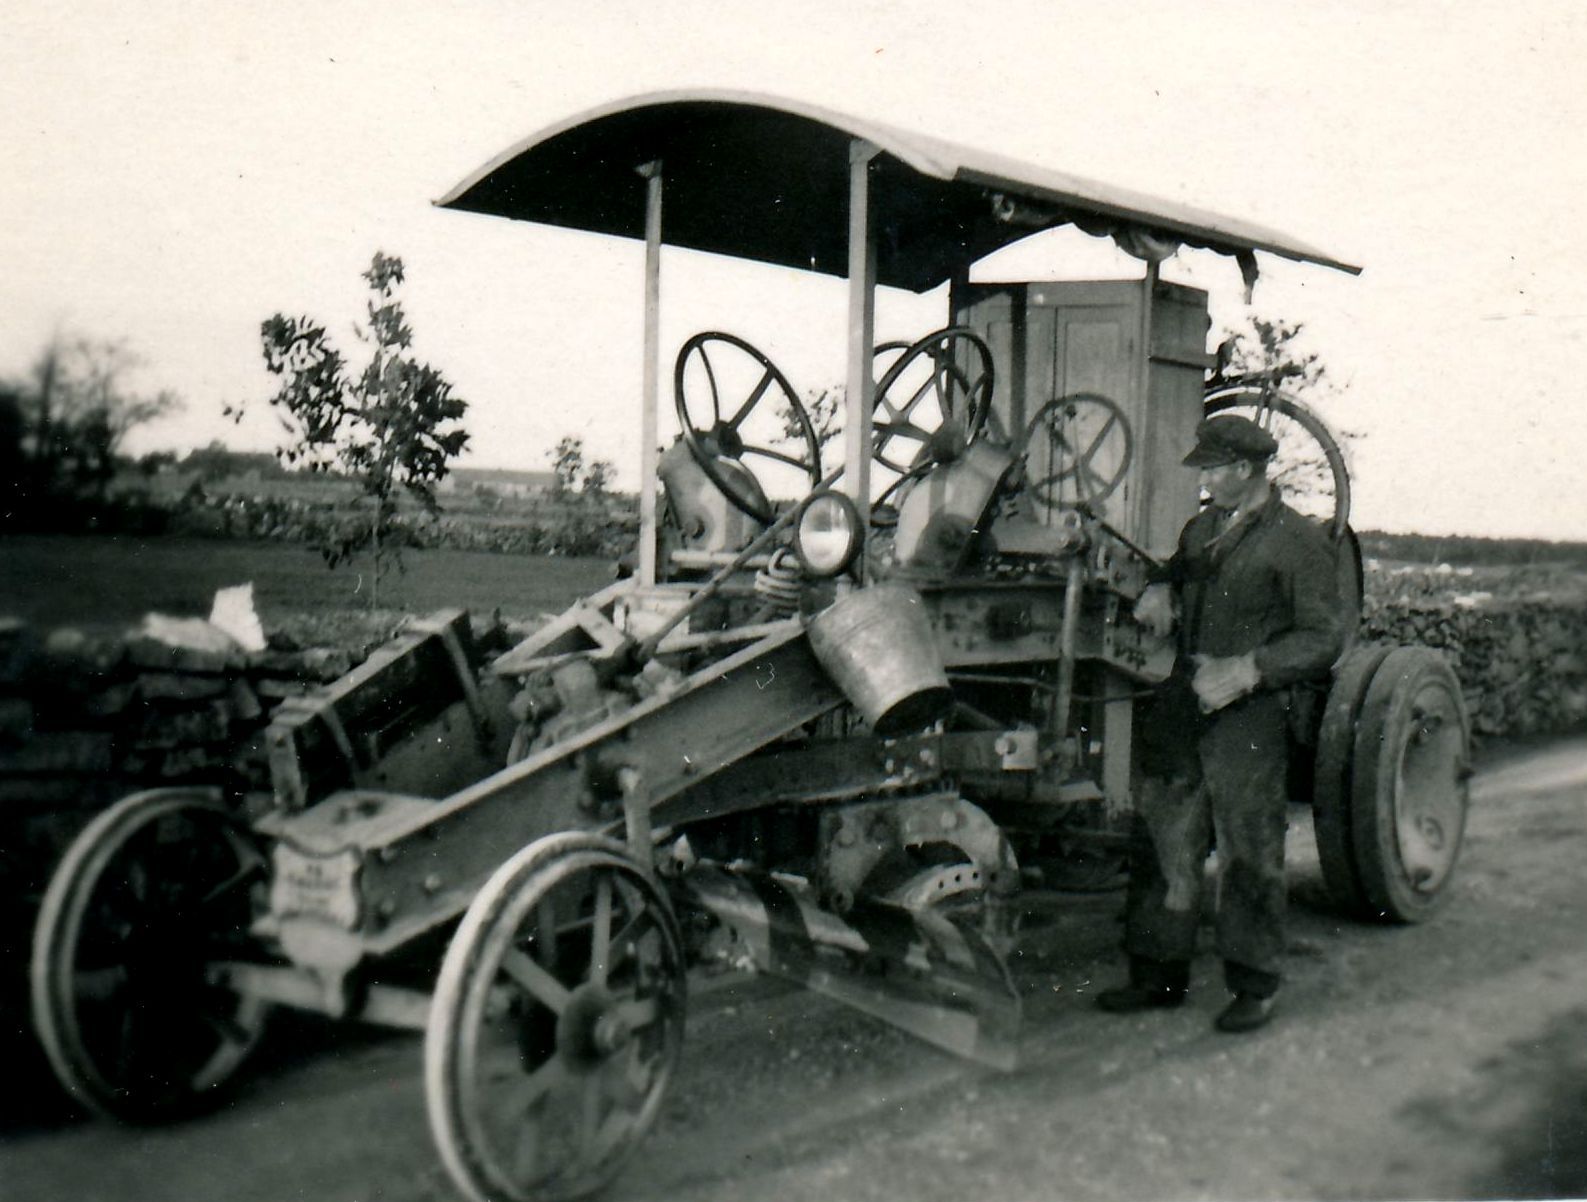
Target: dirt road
1447, 1060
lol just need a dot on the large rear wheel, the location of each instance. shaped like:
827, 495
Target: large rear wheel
556, 1023
1409, 788
1332, 775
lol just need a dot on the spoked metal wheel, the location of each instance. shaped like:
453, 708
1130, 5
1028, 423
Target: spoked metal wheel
152, 892
1309, 465
1409, 788
556, 1023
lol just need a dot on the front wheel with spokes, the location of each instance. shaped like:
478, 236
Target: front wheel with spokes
156, 890
556, 1023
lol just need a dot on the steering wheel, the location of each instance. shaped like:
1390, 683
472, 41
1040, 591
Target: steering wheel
719, 447
1089, 441
961, 397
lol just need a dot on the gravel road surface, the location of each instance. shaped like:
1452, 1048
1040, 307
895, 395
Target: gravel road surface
1446, 1060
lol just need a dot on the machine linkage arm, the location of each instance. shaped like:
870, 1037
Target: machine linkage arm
826, 771
417, 865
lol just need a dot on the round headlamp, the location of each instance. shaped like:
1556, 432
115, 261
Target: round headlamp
827, 534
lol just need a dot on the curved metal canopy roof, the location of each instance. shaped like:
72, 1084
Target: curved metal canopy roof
762, 178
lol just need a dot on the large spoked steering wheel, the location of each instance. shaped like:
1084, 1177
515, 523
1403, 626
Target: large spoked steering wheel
952, 370
1088, 441
718, 446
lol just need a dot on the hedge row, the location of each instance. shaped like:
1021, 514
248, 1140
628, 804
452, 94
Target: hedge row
573, 526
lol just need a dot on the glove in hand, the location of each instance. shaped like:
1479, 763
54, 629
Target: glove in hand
1154, 609
1220, 681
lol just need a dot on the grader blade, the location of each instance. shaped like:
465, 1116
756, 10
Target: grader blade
914, 969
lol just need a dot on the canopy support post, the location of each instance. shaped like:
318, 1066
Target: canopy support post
958, 293
651, 385
1137, 504
858, 384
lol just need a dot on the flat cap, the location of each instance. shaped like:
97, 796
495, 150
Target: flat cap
1227, 438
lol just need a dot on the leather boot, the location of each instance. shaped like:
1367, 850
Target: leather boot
1245, 1013
1153, 985
1128, 999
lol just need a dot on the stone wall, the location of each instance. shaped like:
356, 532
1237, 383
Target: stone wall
87, 717
1517, 640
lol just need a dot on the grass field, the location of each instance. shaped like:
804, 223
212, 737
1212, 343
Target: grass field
104, 579
93, 579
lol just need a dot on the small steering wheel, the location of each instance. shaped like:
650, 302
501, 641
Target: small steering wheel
1089, 441
931, 368
718, 447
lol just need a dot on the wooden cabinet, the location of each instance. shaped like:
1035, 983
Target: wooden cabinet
1052, 340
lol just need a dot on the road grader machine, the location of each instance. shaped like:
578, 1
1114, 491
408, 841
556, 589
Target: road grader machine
833, 737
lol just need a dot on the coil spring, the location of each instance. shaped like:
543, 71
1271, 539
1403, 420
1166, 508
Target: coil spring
778, 584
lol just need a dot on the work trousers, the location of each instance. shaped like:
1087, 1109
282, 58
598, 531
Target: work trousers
1229, 786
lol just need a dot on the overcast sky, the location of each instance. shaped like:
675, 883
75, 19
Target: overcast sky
173, 174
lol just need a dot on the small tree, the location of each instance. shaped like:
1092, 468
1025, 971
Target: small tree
1264, 352
392, 427
576, 474
825, 411
1264, 355
598, 478
567, 463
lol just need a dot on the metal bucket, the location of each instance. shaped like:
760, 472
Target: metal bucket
877, 645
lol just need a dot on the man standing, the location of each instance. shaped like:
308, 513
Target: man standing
1255, 589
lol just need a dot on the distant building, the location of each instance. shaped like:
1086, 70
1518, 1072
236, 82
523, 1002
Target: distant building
505, 482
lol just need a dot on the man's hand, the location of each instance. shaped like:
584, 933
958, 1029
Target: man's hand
1219, 681
1154, 609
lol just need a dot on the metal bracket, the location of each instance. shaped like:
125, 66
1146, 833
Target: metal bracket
344, 744
465, 675
636, 818
1018, 750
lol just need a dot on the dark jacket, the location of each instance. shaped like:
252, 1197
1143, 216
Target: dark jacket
1268, 585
